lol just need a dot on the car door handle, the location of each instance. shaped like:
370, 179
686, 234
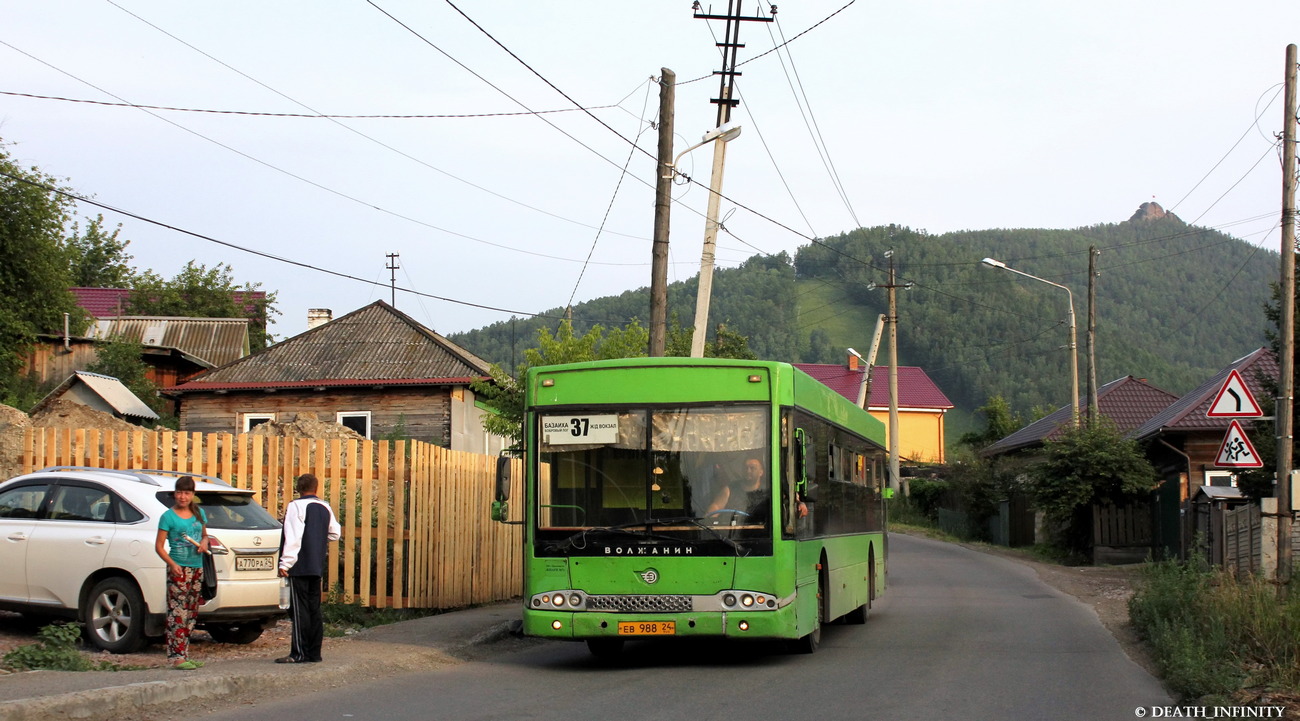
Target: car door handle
96, 541
18, 536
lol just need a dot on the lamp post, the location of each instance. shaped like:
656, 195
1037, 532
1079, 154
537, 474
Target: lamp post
719, 136
1074, 348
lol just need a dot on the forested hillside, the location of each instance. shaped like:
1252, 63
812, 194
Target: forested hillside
1174, 304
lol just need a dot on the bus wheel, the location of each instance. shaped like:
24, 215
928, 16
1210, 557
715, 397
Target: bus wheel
809, 643
606, 649
857, 616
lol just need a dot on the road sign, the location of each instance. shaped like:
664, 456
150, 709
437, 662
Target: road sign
1236, 450
1234, 400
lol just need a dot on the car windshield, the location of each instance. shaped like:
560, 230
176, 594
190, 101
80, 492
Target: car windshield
229, 510
689, 472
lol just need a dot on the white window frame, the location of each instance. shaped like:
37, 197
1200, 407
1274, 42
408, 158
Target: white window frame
247, 419
339, 416
1210, 475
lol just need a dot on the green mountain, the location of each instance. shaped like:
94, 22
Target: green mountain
1175, 303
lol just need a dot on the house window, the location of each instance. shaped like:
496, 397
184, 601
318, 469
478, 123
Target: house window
1225, 479
253, 420
358, 421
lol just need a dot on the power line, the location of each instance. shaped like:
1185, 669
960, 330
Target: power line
309, 116
358, 132
796, 37
269, 256
308, 181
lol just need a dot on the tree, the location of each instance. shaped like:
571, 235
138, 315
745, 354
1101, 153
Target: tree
121, 358
1000, 422
34, 277
1092, 463
201, 292
96, 258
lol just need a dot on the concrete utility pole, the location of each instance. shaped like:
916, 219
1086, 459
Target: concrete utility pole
663, 204
392, 267
1092, 333
892, 287
1286, 323
725, 101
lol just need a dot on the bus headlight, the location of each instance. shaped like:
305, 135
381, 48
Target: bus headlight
747, 600
729, 599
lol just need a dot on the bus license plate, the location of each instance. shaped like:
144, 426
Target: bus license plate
647, 628
255, 563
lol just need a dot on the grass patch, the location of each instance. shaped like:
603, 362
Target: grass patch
1213, 634
56, 649
343, 617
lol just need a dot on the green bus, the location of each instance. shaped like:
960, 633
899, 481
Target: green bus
672, 497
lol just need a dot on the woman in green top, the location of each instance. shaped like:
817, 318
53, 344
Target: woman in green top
182, 537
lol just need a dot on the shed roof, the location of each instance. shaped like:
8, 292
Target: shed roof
215, 341
117, 396
375, 344
1128, 402
1188, 413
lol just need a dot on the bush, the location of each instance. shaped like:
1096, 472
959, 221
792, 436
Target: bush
1213, 634
55, 650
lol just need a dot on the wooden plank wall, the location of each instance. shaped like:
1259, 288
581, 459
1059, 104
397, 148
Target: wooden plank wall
415, 521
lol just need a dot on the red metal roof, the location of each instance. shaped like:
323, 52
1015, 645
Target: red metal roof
915, 389
110, 302
1188, 412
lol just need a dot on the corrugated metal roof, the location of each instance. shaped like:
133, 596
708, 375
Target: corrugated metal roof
1188, 412
375, 344
116, 395
915, 389
1128, 402
216, 341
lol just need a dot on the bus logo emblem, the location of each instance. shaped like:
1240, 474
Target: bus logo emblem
649, 575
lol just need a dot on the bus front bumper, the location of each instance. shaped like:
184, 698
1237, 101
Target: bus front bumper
778, 623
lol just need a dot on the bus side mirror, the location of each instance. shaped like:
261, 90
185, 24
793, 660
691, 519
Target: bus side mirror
889, 493
503, 479
500, 510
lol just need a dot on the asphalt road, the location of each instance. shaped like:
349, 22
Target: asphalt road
958, 635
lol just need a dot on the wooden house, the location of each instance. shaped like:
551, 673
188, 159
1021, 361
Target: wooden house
375, 370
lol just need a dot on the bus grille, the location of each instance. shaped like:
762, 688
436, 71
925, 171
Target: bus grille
640, 604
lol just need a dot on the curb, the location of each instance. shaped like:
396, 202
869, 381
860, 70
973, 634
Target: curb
252, 681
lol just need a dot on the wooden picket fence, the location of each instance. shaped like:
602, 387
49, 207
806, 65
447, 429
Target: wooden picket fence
416, 532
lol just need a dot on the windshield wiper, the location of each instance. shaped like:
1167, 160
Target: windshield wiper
740, 550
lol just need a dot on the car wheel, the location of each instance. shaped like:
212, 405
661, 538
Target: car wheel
115, 616
240, 633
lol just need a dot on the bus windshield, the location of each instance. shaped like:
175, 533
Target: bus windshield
669, 468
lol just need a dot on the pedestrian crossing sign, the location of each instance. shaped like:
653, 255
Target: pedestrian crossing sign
1234, 400
1236, 450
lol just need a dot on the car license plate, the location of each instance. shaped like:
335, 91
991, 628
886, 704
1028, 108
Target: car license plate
647, 628
255, 563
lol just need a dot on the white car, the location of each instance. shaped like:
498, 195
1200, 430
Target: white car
79, 543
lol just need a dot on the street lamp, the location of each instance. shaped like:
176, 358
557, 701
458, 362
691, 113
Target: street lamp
1074, 349
719, 136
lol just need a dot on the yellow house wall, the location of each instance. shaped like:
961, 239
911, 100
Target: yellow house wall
920, 434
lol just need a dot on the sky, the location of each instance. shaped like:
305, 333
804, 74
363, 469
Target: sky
940, 116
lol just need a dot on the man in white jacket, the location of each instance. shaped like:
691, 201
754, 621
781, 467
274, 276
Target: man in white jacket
309, 526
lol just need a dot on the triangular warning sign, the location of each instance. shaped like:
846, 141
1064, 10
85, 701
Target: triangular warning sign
1234, 400
1237, 451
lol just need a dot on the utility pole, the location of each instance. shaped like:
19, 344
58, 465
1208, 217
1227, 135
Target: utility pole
725, 101
392, 266
1093, 412
892, 286
663, 205
1286, 323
